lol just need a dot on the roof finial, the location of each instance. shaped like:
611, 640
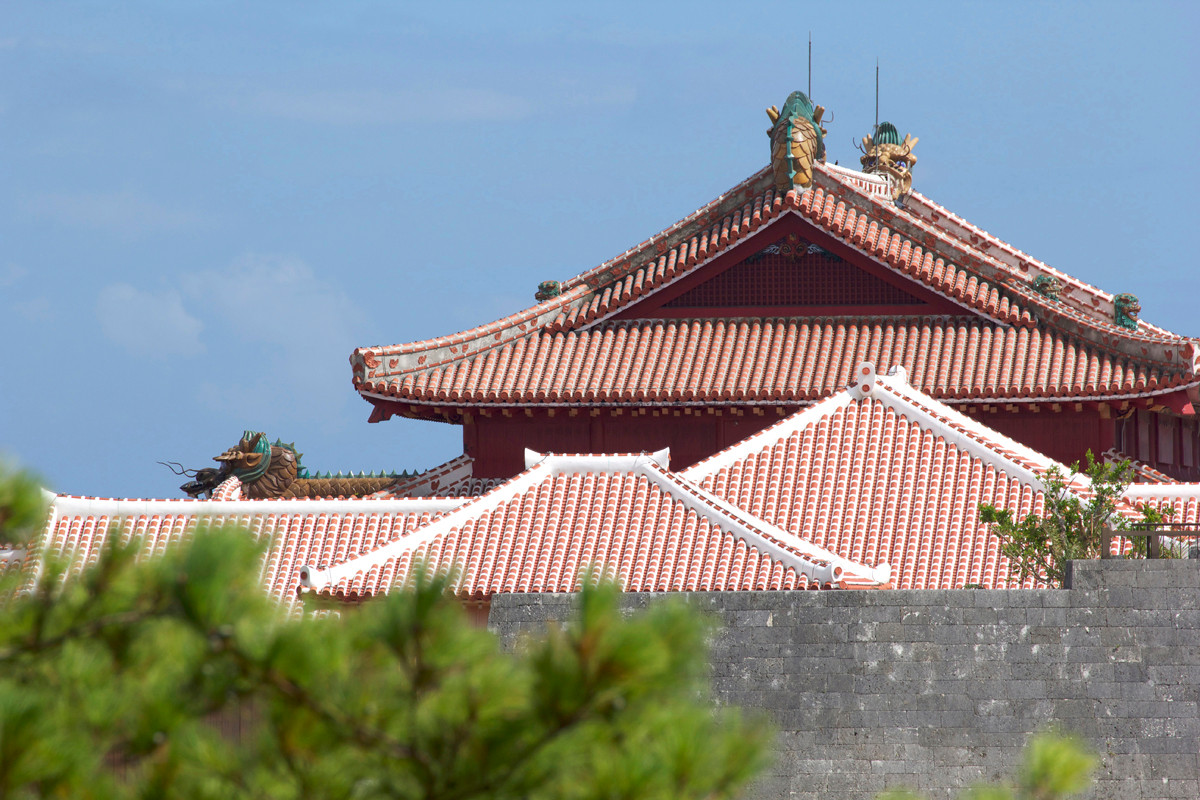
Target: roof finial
876, 128
797, 142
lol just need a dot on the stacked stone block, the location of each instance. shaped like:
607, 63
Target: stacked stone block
939, 689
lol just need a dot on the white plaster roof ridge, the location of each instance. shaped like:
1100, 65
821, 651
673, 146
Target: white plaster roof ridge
456, 469
756, 441
314, 578
957, 428
69, 505
976, 438
762, 534
1181, 491
566, 463
855, 174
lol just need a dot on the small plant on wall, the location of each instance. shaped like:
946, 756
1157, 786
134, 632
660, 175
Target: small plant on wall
1072, 524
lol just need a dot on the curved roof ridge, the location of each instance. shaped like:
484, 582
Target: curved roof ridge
843, 206
1023, 262
574, 290
1006, 275
739, 189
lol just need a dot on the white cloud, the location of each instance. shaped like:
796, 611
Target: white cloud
297, 327
124, 212
379, 107
272, 299
148, 324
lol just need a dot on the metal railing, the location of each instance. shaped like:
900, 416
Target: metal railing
1155, 533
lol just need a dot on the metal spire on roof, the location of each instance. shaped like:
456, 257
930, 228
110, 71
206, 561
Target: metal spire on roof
876, 128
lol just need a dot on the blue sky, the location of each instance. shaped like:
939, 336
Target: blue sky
204, 207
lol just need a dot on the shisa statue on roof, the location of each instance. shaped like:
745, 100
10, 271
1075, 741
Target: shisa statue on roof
885, 154
797, 142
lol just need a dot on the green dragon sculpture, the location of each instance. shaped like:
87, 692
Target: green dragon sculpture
885, 154
1047, 286
797, 142
270, 470
547, 290
1125, 310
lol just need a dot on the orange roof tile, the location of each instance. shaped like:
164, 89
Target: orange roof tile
881, 473
778, 360
1183, 497
548, 353
297, 532
627, 516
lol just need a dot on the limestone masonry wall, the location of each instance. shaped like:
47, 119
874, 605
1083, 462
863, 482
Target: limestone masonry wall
937, 690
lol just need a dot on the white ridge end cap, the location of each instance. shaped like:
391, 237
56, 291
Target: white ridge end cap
864, 379
662, 458
308, 578
533, 458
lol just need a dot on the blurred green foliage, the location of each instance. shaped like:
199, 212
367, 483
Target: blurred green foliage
1054, 766
22, 505
177, 677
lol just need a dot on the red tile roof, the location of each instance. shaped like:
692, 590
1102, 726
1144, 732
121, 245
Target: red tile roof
775, 360
550, 352
1143, 473
883, 474
625, 515
297, 532
642, 524
1183, 497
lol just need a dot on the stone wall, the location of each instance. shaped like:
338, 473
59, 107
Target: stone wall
936, 690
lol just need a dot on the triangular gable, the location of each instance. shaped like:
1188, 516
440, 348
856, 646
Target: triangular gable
626, 515
790, 269
883, 473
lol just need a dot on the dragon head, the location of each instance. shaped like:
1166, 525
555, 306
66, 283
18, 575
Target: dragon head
249, 458
885, 154
547, 290
797, 142
1126, 309
1047, 286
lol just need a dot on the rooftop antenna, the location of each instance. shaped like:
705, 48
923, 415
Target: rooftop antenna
810, 65
876, 129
